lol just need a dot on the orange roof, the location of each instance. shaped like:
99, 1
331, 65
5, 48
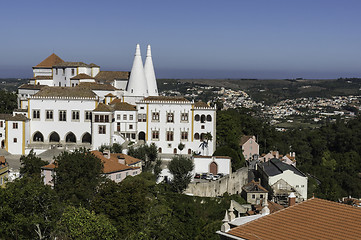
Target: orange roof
50, 61
2, 160
312, 219
81, 76
112, 164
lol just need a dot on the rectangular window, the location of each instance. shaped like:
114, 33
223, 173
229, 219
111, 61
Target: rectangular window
62, 115
106, 118
36, 114
144, 117
184, 135
118, 176
101, 118
130, 126
169, 135
155, 135
72, 71
88, 116
102, 129
118, 126
1, 134
15, 125
1, 123
155, 116
15, 140
184, 117
96, 118
124, 117
131, 117
49, 115
170, 117
56, 71
118, 117
133, 135
75, 115
63, 71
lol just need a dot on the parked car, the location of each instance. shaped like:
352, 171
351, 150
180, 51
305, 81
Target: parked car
216, 177
204, 175
197, 176
209, 176
220, 175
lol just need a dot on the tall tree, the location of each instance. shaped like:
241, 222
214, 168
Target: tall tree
180, 167
28, 210
78, 174
31, 164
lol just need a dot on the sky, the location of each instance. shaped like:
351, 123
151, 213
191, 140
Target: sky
189, 39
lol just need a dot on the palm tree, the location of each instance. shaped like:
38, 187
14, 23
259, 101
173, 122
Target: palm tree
207, 137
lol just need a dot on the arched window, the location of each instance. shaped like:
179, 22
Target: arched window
87, 138
196, 136
141, 136
38, 137
196, 117
174, 150
209, 118
202, 136
54, 137
70, 137
189, 151
203, 118
160, 150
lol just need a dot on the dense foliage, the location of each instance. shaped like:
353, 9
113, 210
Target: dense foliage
329, 155
8, 101
149, 155
181, 168
31, 164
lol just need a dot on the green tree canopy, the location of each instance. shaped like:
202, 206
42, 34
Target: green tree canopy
147, 153
180, 167
78, 174
31, 164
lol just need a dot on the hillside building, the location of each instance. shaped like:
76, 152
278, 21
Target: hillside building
74, 104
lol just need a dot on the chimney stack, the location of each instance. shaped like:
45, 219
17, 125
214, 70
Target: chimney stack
291, 199
106, 153
121, 159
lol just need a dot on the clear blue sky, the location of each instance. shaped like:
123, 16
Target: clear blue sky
189, 39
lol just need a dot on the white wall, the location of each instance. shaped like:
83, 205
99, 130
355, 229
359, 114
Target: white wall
293, 179
46, 127
201, 164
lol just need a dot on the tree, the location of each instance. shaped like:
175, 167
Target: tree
31, 164
181, 147
147, 153
80, 223
28, 209
8, 101
180, 167
78, 174
115, 148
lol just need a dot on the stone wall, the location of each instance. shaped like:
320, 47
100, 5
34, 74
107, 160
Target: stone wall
231, 184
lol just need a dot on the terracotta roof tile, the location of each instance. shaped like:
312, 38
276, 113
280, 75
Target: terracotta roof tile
31, 86
123, 106
254, 186
109, 76
112, 164
53, 59
244, 139
311, 219
103, 108
81, 76
71, 64
201, 104
65, 92
96, 86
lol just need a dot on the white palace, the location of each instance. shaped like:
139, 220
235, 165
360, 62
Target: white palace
73, 104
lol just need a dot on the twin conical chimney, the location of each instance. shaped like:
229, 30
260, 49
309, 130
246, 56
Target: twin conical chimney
150, 74
137, 84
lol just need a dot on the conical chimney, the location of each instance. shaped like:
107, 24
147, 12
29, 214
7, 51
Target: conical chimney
150, 74
137, 84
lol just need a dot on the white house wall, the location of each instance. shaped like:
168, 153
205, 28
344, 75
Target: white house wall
46, 127
292, 179
201, 164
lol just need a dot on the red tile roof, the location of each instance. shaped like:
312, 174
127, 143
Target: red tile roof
112, 164
50, 61
311, 219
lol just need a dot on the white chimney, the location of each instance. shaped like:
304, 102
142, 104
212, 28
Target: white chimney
137, 84
150, 74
